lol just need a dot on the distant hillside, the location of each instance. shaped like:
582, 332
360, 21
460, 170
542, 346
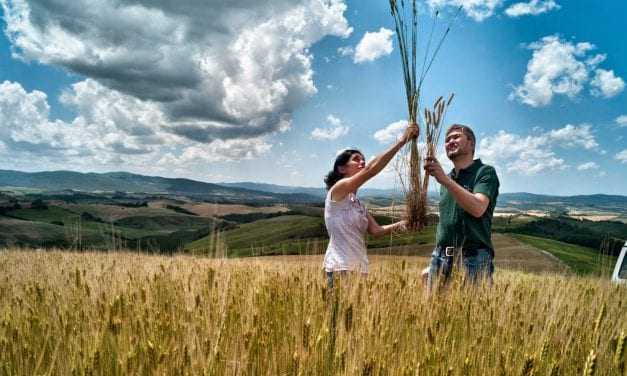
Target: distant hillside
521, 200
52, 181
273, 188
260, 193
320, 192
533, 201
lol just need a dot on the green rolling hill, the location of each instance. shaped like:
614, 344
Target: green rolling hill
289, 234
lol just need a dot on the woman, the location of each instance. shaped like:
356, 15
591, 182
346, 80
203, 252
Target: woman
346, 217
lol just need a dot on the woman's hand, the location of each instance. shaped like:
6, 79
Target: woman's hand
372, 168
411, 132
377, 230
400, 226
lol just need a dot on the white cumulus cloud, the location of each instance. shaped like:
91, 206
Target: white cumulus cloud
525, 155
533, 154
216, 70
478, 10
329, 133
334, 121
374, 45
346, 51
559, 67
571, 136
110, 129
606, 84
532, 8
337, 130
587, 166
621, 156
621, 120
217, 151
391, 132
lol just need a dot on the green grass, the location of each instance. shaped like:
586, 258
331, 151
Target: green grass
91, 235
165, 222
580, 259
121, 232
41, 227
426, 236
294, 234
606, 235
283, 235
506, 222
92, 232
114, 212
20, 190
622, 218
279, 235
36, 234
53, 213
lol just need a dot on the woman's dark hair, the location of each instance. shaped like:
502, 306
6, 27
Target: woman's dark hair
334, 175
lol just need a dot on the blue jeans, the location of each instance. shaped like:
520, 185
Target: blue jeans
331, 276
476, 267
329, 280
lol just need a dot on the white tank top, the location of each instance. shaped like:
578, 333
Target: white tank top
347, 223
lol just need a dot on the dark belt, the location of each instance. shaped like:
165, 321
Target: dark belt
452, 251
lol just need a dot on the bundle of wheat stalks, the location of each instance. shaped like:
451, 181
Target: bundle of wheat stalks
414, 183
432, 124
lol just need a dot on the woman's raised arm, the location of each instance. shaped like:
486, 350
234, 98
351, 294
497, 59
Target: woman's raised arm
352, 183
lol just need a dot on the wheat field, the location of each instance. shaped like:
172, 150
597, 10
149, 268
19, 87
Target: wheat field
119, 313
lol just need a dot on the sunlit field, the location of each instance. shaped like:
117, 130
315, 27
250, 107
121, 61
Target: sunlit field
67, 313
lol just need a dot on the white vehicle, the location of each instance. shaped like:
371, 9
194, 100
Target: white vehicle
620, 271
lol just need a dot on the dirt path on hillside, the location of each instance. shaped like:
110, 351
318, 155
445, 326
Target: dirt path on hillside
513, 254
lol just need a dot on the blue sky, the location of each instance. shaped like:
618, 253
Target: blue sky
270, 91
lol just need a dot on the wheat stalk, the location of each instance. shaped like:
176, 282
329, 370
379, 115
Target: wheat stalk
433, 129
414, 182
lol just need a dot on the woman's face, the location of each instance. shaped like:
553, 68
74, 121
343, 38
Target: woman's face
353, 166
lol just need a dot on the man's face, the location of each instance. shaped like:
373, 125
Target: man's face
457, 144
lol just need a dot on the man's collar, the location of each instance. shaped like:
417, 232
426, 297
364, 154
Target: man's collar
471, 168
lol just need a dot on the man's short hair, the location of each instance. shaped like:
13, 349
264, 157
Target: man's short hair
465, 130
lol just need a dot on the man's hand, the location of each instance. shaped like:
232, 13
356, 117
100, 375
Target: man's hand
434, 168
474, 204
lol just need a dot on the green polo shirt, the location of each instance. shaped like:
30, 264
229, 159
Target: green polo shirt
458, 228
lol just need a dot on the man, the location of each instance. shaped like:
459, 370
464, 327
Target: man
467, 200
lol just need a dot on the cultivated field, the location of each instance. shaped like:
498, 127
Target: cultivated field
213, 210
120, 313
111, 213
